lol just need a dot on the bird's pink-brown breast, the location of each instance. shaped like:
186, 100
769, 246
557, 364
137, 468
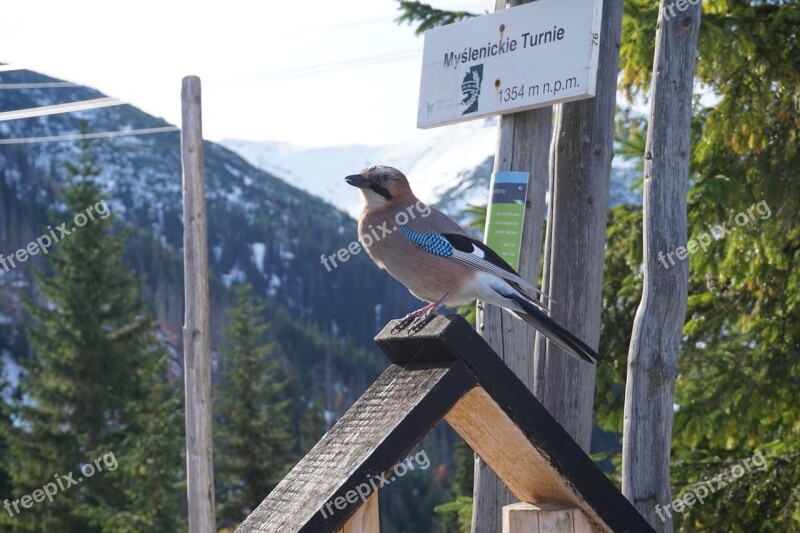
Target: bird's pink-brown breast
427, 276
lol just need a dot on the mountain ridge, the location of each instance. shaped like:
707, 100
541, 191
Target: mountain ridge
260, 230
450, 168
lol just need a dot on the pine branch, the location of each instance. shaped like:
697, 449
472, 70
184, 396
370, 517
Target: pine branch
428, 16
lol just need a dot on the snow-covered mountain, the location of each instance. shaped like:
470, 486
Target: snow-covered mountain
260, 230
449, 168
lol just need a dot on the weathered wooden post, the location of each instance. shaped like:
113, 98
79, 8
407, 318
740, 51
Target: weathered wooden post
653, 353
583, 146
523, 141
523, 144
196, 335
545, 518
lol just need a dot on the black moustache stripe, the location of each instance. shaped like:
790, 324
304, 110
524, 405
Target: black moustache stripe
383, 191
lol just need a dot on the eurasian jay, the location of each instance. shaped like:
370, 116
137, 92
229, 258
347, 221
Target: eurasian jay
441, 263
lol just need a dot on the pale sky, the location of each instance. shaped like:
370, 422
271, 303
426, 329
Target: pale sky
314, 73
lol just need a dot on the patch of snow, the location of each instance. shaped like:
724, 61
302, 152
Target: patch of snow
11, 372
235, 196
232, 170
259, 251
285, 255
236, 275
273, 285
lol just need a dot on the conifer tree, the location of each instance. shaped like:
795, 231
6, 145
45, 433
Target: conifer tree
252, 441
740, 349
426, 16
95, 392
737, 384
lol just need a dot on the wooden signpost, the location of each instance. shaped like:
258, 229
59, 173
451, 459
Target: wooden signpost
533, 55
519, 62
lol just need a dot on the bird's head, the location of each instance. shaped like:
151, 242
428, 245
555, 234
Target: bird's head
380, 184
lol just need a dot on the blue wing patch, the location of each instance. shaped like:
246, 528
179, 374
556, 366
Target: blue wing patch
433, 243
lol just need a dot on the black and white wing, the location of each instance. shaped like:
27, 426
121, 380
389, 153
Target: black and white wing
474, 253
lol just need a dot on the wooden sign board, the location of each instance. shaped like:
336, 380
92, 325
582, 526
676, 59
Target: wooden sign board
528, 56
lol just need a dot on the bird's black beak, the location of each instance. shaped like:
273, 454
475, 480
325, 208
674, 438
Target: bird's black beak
357, 180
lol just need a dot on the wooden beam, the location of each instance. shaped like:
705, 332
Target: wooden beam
509, 429
544, 518
366, 519
196, 333
445, 370
527, 472
378, 431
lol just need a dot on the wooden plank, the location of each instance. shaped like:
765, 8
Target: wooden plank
583, 146
392, 416
522, 145
544, 518
657, 328
527, 472
523, 141
517, 433
196, 332
366, 519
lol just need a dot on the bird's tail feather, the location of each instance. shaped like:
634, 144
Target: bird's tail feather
555, 331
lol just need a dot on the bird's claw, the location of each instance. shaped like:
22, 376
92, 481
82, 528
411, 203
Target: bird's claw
404, 322
414, 321
420, 322
417, 319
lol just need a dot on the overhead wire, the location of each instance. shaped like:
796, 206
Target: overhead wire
39, 85
98, 135
55, 109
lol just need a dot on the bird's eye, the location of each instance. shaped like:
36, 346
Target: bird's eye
386, 178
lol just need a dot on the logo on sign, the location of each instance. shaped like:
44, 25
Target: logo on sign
471, 89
